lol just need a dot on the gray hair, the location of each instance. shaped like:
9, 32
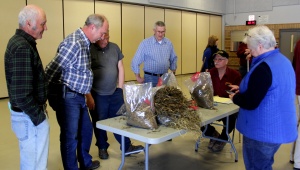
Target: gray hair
159, 24
95, 19
260, 35
28, 13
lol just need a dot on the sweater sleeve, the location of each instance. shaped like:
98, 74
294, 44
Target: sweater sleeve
259, 83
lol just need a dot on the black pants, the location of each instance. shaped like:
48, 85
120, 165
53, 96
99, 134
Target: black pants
210, 129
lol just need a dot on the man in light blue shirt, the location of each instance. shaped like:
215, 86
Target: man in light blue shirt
157, 54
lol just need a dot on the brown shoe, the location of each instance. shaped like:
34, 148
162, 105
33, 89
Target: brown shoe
218, 146
216, 134
134, 149
103, 154
95, 165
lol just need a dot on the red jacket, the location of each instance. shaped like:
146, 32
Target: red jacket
241, 54
296, 65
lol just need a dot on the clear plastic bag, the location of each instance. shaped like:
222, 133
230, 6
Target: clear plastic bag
201, 89
167, 79
139, 105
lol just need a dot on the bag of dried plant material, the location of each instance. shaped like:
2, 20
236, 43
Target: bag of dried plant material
139, 105
173, 109
169, 103
167, 79
122, 110
201, 89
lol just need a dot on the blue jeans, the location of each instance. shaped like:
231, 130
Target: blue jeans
149, 78
76, 129
258, 155
106, 106
33, 141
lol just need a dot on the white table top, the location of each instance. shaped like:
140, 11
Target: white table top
118, 125
221, 110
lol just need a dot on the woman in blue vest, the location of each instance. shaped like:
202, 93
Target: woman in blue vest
267, 116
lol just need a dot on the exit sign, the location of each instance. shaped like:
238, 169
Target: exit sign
251, 22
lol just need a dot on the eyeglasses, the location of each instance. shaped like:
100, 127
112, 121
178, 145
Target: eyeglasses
246, 34
160, 32
219, 59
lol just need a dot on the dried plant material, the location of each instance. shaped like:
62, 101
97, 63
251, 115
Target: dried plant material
173, 110
142, 117
139, 106
202, 91
204, 96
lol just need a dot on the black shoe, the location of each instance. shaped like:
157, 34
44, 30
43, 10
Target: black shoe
95, 165
136, 149
292, 162
103, 154
218, 146
212, 142
170, 140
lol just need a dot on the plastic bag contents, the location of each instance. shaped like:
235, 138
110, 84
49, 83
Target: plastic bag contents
122, 110
173, 109
167, 79
169, 104
201, 89
139, 105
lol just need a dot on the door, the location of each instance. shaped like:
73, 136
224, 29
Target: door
287, 41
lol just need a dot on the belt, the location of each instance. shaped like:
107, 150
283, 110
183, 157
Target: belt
152, 74
15, 109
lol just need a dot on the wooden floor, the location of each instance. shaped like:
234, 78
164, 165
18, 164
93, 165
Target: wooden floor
178, 154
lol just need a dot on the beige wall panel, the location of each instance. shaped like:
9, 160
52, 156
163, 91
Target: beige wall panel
132, 35
189, 38
202, 36
9, 11
112, 11
47, 46
215, 28
173, 32
151, 16
76, 12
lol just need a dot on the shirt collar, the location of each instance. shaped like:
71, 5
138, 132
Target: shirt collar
83, 36
261, 57
27, 36
155, 41
99, 48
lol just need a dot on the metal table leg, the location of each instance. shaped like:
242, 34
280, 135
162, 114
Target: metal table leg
230, 140
123, 152
146, 156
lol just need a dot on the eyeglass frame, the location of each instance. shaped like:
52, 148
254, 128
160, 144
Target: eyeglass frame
219, 59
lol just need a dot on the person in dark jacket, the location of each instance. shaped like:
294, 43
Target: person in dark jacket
211, 48
27, 89
243, 53
295, 152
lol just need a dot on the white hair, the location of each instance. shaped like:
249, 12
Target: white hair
260, 35
28, 13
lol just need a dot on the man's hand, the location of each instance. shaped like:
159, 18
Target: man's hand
139, 79
90, 101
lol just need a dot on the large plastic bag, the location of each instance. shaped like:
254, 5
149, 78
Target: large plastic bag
139, 105
201, 89
167, 79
